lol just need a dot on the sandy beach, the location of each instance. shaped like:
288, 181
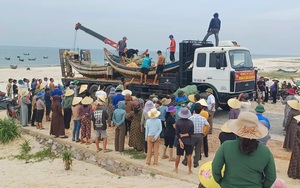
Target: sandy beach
49, 174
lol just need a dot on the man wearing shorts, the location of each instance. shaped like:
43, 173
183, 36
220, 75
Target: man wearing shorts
99, 118
160, 65
146, 63
184, 130
172, 48
261, 90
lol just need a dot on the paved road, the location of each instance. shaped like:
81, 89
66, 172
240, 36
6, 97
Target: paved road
275, 120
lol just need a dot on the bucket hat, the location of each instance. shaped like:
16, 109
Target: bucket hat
184, 113
153, 113
39, 95
260, 108
209, 90
171, 109
126, 91
165, 101
247, 126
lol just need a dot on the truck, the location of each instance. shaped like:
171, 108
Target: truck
227, 69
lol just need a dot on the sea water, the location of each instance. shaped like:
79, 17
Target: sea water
52, 55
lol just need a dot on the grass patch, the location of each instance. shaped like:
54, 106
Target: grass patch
134, 154
152, 175
37, 157
9, 130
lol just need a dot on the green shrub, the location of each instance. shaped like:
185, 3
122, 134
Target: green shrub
44, 154
9, 130
24, 151
67, 159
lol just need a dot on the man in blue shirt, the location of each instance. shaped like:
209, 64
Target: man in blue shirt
146, 63
214, 28
118, 97
57, 92
259, 111
122, 47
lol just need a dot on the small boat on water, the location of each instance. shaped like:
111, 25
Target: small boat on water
114, 60
18, 56
13, 66
26, 54
7, 58
31, 59
21, 59
287, 71
45, 57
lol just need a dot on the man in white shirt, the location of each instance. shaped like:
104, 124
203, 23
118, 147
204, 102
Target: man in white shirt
45, 81
211, 103
101, 92
245, 103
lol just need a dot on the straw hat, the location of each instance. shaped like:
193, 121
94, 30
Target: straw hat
155, 99
76, 100
83, 88
69, 92
297, 118
234, 103
275, 79
184, 113
87, 101
202, 102
148, 106
225, 128
247, 126
101, 97
126, 91
294, 104
191, 98
153, 113
165, 101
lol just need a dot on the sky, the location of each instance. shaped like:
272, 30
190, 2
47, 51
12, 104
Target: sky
263, 26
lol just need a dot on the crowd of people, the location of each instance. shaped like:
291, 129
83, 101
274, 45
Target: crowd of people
183, 122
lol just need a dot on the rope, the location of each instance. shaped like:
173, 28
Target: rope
75, 37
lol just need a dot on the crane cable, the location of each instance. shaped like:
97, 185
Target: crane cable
75, 37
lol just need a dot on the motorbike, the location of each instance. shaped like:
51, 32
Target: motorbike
12, 108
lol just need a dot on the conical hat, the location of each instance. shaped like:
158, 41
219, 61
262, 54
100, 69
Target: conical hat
234, 103
87, 101
294, 104
76, 100
69, 92
191, 98
83, 88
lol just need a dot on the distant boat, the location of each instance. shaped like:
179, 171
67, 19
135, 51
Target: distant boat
45, 57
7, 58
21, 59
26, 54
31, 59
287, 71
13, 66
18, 56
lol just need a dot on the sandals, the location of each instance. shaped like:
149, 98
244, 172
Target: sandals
64, 137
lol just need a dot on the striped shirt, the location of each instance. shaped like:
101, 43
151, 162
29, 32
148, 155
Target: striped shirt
199, 123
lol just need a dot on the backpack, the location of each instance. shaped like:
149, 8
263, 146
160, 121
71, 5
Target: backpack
98, 119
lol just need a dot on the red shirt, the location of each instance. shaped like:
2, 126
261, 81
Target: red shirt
172, 46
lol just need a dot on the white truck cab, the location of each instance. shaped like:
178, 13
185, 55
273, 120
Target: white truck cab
227, 69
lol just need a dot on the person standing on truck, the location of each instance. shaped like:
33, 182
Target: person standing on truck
146, 63
160, 66
214, 28
172, 48
211, 103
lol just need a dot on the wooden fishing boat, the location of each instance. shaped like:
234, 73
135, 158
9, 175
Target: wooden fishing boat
114, 60
26, 54
13, 66
31, 59
88, 69
287, 71
7, 58
21, 59
45, 57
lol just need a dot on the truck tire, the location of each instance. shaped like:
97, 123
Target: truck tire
107, 89
93, 90
225, 107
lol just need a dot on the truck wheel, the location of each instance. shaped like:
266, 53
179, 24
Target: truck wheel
107, 89
225, 107
93, 90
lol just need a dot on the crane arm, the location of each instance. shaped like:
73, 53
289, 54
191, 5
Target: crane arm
98, 36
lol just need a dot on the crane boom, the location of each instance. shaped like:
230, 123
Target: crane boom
97, 35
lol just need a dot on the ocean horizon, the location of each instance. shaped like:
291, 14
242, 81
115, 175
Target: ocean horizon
49, 56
